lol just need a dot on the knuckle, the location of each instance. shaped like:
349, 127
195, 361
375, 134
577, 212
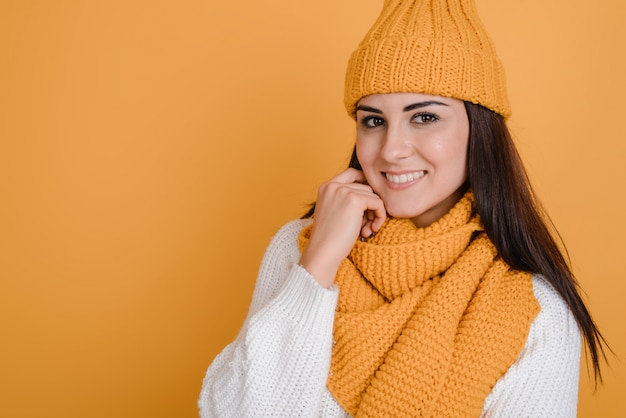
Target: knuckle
352, 198
325, 188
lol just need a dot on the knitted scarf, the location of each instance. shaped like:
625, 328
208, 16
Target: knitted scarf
428, 319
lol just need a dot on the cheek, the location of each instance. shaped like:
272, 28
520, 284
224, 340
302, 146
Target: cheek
451, 158
366, 153
461, 161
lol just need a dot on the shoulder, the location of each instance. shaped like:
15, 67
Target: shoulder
285, 241
554, 339
281, 255
555, 320
291, 230
543, 381
283, 250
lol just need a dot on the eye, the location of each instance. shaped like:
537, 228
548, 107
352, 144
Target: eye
424, 118
372, 121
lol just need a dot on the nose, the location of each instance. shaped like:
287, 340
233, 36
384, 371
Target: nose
396, 144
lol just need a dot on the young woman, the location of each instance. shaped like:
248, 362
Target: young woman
425, 281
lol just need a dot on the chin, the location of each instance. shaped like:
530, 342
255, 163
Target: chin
403, 213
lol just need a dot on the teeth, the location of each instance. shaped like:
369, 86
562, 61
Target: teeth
404, 178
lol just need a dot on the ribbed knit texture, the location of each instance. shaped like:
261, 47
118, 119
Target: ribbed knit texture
279, 363
437, 47
428, 319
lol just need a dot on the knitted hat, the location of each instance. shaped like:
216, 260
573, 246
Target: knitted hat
437, 47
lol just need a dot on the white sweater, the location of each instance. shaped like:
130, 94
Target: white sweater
279, 363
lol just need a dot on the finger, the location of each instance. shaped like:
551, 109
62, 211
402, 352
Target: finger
358, 187
375, 215
366, 230
333, 187
351, 175
366, 224
380, 217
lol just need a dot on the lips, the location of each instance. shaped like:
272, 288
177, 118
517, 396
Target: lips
404, 178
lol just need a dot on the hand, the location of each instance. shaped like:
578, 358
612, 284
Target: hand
346, 207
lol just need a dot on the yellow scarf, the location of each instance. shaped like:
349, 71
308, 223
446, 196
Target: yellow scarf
428, 319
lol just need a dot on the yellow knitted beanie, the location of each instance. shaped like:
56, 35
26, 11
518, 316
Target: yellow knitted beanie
437, 47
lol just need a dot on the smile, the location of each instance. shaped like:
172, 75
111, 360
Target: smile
404, 178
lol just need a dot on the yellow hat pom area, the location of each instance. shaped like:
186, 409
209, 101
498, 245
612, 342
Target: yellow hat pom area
437, 47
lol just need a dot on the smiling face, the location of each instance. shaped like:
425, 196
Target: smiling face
413, 151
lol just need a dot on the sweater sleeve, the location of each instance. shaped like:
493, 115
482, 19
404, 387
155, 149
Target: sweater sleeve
543, 381
278, 365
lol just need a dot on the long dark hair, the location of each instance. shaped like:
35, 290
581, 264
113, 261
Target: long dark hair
514, 220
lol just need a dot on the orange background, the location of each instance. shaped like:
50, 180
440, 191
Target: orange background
150, 149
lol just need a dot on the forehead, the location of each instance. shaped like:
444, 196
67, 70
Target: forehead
403, 99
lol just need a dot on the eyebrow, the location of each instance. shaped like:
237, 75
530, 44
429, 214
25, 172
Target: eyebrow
406, 109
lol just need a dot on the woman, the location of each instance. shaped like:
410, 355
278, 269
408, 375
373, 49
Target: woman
424, 282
